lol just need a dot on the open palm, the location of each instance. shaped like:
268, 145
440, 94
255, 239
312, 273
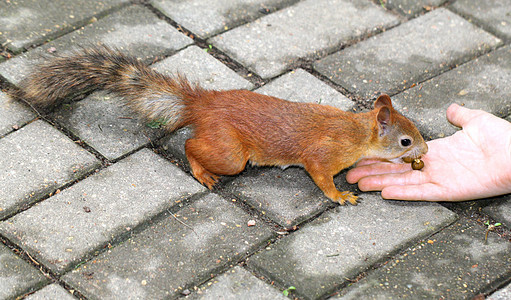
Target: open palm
473, 163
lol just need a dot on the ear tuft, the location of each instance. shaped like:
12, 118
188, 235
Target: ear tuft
383, 100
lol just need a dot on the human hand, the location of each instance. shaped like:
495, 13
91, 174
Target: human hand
473, 163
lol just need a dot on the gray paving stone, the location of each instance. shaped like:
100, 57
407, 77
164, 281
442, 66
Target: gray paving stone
493, 15
412, 52
456, 263
288, 197
500, 210
237, 283
198, 66
51, 292
411, 8
479, 84
18, 277
502, 294
87, 216
105, 124
301, 86
343, 242
12, 114
40, 160
174, 144
172, 255
206, 18
133, 29
27, 22
270, 45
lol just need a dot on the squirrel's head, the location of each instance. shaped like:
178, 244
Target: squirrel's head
397, 137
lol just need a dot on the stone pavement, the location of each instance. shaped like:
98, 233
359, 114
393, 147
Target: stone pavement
95, 204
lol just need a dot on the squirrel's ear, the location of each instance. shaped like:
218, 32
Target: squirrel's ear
383, 100
383, 118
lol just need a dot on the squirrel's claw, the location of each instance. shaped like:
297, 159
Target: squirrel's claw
347, 196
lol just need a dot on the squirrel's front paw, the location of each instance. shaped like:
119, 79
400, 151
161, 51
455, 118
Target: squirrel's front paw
342, 197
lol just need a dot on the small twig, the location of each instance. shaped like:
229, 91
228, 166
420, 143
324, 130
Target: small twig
148, 138
32, 259
36, 111
186, 225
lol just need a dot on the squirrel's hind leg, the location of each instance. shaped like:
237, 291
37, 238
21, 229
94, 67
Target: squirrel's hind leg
208, 159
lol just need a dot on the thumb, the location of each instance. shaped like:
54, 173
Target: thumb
459, 116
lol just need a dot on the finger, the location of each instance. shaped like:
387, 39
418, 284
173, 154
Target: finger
355, 174
420, 192
459, 116
379, 182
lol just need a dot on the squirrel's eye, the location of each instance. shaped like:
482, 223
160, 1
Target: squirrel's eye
406, 142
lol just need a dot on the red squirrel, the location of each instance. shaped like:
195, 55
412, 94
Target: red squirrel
232, 127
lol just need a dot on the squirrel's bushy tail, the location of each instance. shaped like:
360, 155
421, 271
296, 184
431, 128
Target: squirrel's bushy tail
151, 95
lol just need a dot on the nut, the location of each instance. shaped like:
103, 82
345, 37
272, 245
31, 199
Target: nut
417, 164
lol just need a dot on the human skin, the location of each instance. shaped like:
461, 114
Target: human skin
473, 163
